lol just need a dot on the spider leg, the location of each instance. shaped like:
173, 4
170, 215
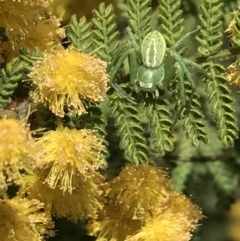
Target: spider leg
183, 71
121, 91
134, 57
196, 66
180, 60
134, 65
181, 40
180, 75
117, 61
181, 83
113, 68
134, 43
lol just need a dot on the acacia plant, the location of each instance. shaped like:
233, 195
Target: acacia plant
90, 116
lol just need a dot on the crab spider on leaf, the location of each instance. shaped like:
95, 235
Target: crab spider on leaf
147, 67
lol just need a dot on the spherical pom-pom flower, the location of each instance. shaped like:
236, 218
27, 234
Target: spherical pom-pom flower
140, 191
84, 202
22, 219
15, 16
46, 35
70, 155
165, 227
176, 223
17, 150
69, 78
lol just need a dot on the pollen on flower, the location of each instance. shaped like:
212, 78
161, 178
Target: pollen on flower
140, 191
70, 155
69, 78
23, 219
17, 150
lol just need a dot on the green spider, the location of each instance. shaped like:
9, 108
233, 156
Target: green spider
148, 68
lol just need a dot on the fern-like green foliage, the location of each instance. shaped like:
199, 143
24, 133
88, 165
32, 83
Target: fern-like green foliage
172, 26
79, 33
29, 58
170, 14
219, 96
132, 134
193, 121
210, 36
139, 13
105, 33
160, 121
9, 79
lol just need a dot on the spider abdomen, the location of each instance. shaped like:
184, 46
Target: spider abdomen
153, 49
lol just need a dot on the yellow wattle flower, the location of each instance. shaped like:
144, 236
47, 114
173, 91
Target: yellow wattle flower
16, 15
175, 223
84, 202
69, 78
45, 35
17, 150
22, 219
165, 227
140, 191
70, 155
148, 209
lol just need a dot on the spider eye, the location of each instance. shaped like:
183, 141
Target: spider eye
153, 49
